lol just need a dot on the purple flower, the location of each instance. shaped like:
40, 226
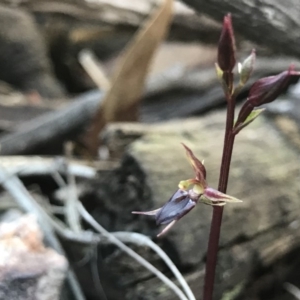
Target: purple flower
190, 192
177, 206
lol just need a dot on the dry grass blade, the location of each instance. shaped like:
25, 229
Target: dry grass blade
92, 66
122, 99
292, 289
114, 240
72, 215
142, 240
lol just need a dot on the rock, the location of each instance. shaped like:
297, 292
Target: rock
23, 55
255, 234
28, 270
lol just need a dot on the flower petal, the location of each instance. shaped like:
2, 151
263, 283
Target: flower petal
216, 197
197, 165
186, 184
148, 213
178, 206
167, 228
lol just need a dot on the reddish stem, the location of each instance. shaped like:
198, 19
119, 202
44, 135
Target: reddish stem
215, 228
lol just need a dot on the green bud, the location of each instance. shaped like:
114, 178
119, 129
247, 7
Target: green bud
252, 116
219, 72
245, 69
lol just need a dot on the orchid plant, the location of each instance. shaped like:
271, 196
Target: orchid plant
190, 192
196, 190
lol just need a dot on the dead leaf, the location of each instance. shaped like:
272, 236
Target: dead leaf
122, 99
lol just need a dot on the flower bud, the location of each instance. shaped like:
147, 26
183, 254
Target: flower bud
226, 47
246, 67
267, 89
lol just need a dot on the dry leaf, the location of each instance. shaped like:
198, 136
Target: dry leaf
122, 100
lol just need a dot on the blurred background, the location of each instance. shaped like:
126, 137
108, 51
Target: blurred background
95, 98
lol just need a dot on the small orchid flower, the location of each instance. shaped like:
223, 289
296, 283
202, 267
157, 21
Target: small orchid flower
190, 192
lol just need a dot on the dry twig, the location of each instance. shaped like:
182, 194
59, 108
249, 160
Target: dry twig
93, 67
72, 215
142, 240
292, 289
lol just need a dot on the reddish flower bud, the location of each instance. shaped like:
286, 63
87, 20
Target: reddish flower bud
267, 89
226, 47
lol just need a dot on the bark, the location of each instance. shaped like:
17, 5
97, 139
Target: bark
186, 25
274, 24
53, 127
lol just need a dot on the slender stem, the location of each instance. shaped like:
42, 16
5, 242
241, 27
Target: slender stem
213, 243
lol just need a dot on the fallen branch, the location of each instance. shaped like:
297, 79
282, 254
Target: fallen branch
38, 165
186, 25
277, 25
201, 93
53, 127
